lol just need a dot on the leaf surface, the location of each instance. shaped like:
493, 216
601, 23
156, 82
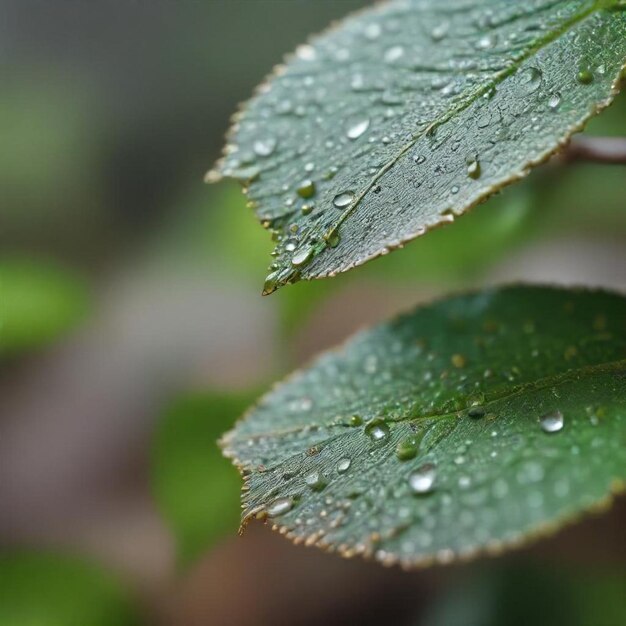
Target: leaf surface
410, 113
468, 425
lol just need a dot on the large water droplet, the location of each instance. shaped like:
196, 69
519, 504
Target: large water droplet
302, 256
356, 129
552, 422
343, 200
422, 480
280, 507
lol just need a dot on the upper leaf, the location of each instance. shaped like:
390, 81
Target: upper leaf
410, 113
467, 425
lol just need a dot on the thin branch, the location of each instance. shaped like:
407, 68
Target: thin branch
596, 149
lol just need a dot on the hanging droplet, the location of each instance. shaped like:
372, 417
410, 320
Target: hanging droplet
280, 507
343, 200
423, 479
306, 189
315, 480
356, 129
343, 465
407, 449
270, 283
552, 422
264, 147
302, 256
554, 101
377, 430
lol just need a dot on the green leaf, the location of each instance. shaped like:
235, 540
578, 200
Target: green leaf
38, 303
195, 487
412, 112
466, 426
48, 590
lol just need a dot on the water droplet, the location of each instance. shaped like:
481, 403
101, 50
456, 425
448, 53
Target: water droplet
554, 101
531, 79
315, 480
419, 159
422, 480
270, 282
473, 168
439, 31
332, 237
306, 52
486, 42
358, 128
306, 209
356, 420
407, 449
394, 53
377, 430
552, 422
343, 200
264, 147
476, 412
372, 31
343, 465
280, 507
585, 76
306, 189
302, 256
458, 360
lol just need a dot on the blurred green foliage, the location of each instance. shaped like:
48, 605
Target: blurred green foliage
196, 488
519, 595
50, 590
38, 303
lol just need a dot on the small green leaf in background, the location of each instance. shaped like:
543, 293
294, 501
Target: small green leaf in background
470, 425
38, 302
409, 114
50, 590
196, 488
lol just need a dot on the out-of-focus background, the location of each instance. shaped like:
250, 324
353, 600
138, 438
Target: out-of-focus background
133, 332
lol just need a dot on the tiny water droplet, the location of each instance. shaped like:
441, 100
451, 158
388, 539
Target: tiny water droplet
422, 480
306, 189
302, 256
486, 42
355, 420
377, 430
394, 53
458, 360
306, 209
552, 422
531, 79
554, 101
476, 412
439, 31
356, 129
343, 200
585, 76
264, 147
280, 507
315, 480
343, 465
473, 168
332, 237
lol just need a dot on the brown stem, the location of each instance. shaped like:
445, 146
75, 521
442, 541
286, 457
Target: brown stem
597, 149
